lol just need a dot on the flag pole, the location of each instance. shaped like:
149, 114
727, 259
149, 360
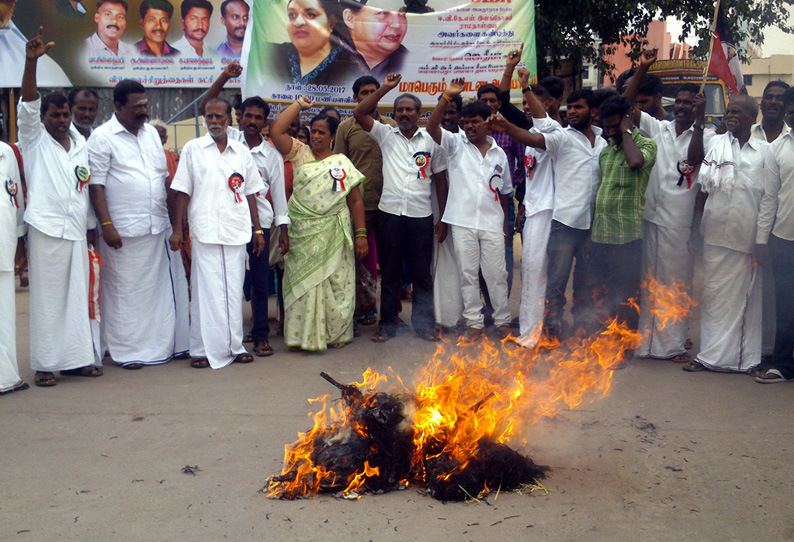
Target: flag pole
711, 46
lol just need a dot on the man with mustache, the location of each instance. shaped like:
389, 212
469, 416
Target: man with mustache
128, 192
217, 182
155, 22
271, 169
12, 53
57, 214
732, 175
234, 16
111, 22
195, 23
83, 103
410, 160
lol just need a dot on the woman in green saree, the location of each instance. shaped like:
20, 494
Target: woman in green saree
319, 270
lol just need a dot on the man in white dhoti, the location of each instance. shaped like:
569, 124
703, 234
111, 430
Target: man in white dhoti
670, 201
128, 172
12, 230
57, 174
733, 177
217, 181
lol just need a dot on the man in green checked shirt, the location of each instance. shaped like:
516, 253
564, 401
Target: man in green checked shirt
615, 250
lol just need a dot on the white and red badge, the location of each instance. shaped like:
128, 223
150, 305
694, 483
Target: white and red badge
686, 170
529, 164
12, 189
83, 175
237, 185
494, 184
422, 160
338, 176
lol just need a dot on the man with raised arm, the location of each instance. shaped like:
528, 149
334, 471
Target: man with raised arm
217, 182
673, 206
57, 175
477, 208
128, 193
271, 168
410, 159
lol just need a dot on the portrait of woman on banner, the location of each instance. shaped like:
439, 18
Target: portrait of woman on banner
317, 52
377, 30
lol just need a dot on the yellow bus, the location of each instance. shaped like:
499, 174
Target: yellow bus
675, 73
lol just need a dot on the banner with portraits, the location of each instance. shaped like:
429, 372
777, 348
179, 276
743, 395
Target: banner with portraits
319, 48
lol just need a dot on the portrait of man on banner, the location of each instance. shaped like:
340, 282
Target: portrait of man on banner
111, 22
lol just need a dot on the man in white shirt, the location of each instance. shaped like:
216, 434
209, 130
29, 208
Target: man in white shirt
575, 151
195, 24
733, 177
83, 104
12, 53
217, 182
410, 159
57, 175
12, 255
128, 193
111, 22
271, 167
477, 208
777, 207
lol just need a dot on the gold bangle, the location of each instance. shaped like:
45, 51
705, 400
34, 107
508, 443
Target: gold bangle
447, 97
361, 232
260, 232
106, 223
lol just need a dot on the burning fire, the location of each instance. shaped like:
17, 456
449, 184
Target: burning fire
450, 431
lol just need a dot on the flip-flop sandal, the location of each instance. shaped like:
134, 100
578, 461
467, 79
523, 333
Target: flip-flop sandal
199, 363
132, 366
263, 349
693, 366
381, 336
294, 348
368, 320
22, 387
243, 358
337, 345
88, 370
688, 344
44, 380
681, 358
430, 336
248, 338
772, 376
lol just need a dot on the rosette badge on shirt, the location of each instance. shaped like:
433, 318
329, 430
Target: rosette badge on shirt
686, 171
237, 186
422, 160
495, 182
11, 188
83, 175
338, 176
529, 164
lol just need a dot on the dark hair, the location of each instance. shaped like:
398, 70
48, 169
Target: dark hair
616, 105
227, 2
688, 87
620, 82
476, 109
339, 31
187, 5
603, 94
489, 87
122, 91
255, 101
581, 94
330, 109
457, 100
163, 5
303, 128
650, 85
76, 91
417, 101
554, 85
364, 80
58, 100
773, 84
788, 96
541, 92
218, 99
332, 123
121, 2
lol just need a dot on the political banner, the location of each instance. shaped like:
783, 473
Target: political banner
318, 48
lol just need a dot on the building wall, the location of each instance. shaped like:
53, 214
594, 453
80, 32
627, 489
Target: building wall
764, 70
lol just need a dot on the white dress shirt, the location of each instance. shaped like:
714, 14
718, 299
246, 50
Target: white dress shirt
12, 226
758, 132
777, 205
214, 212
406, 191
57, 205
539, 194
729, 218
187, 51
270, 164
133, 170
96, 48
666, 203
12, 59
474, 180
576, 173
